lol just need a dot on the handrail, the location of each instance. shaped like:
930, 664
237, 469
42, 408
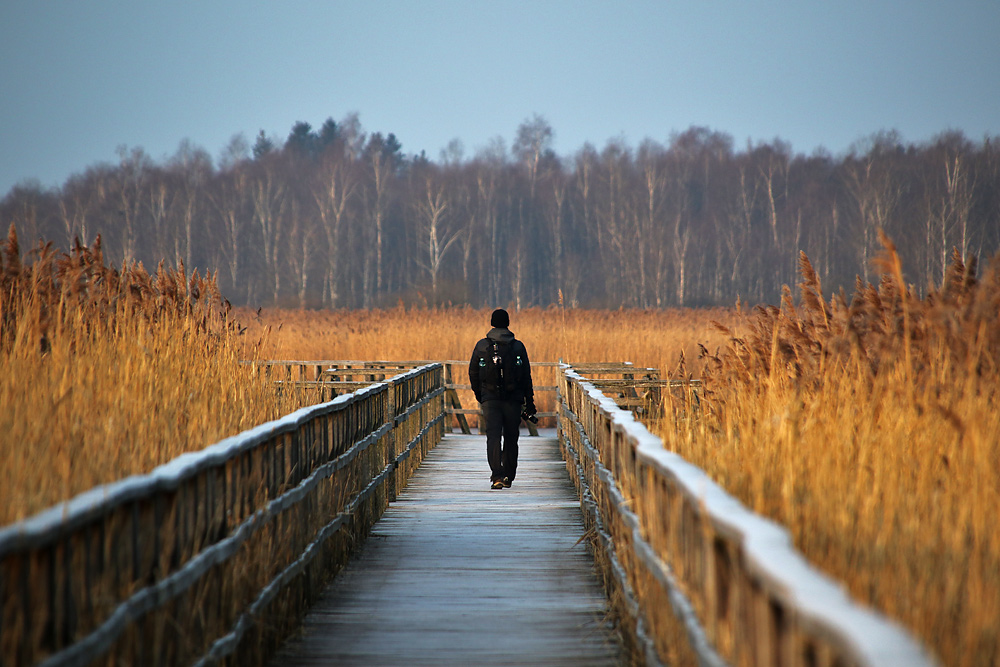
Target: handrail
329, 377
178, 566
689, 561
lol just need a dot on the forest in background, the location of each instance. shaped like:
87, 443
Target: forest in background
342, 218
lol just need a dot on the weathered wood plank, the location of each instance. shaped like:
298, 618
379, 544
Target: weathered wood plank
456, 573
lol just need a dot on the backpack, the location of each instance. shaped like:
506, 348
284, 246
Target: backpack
501, 368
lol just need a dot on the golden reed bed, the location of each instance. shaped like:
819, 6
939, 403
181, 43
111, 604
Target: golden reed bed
870, 429
867, 426
110, 373
644, 337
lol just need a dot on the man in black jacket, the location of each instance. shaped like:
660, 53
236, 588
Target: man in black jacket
500, 375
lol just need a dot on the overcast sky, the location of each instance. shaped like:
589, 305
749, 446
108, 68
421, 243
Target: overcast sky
78, 79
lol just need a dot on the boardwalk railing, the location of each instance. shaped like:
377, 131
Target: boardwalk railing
331, 377
685, 561
213, 557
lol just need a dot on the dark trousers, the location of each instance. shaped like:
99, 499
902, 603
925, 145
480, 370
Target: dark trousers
503, 419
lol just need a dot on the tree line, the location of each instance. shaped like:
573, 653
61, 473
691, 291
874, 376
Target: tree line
339, 217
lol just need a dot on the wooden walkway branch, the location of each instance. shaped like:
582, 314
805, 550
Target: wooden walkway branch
455, 573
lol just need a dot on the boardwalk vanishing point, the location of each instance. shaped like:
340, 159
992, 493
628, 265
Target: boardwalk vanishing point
455, 573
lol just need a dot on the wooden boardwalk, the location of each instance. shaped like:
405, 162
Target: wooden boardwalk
455, 573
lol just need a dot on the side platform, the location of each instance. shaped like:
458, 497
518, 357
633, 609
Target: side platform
455, 573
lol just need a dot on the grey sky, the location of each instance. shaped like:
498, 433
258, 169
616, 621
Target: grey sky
78, 79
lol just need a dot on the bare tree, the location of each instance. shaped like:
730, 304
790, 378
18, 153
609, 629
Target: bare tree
352, 135
613, 218
333, 191
301, 250
872, 186
534, 137
773, 168
81, 200
554, 213
588, 232
432, 211
268, 201
953, 199
488, 169
236, 152
227, 199
651, 160
468, 224
192, 169
380, 156
737, 230
129, 184
157, 207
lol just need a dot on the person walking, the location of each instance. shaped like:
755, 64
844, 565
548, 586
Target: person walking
500, 375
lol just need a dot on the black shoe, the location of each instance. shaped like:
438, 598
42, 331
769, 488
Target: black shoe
506, 482
497, 484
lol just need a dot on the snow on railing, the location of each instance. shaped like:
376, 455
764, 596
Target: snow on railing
178, 566
689, 560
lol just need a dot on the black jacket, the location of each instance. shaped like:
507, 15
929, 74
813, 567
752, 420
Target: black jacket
524, 393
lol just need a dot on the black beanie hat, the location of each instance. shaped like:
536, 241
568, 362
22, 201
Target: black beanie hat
500, 319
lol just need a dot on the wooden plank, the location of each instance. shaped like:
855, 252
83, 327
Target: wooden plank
456, 573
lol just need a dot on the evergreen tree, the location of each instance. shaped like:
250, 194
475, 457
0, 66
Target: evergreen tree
262, 146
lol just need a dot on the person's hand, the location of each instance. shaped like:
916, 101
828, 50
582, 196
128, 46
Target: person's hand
528, 413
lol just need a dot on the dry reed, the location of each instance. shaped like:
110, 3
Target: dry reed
109, 373
871, 431
653, 338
